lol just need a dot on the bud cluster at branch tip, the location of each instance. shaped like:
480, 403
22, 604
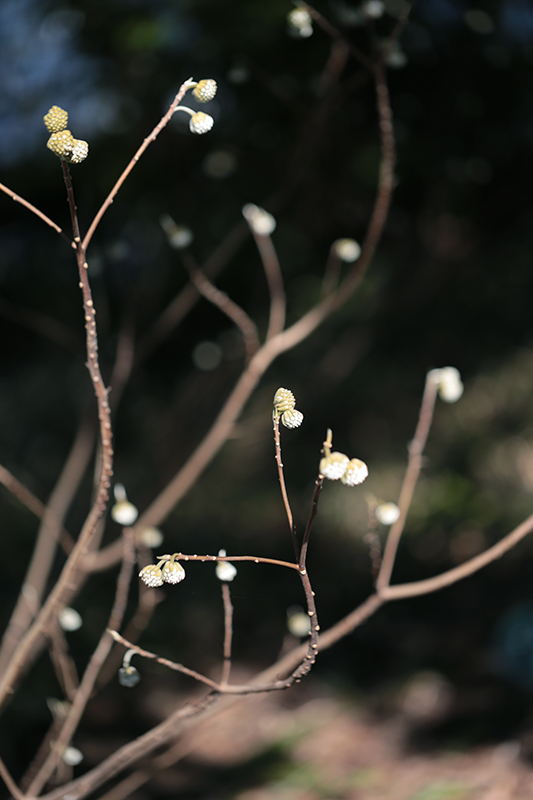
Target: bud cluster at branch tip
62, 142
299, 22
337, 466
225, 570
203, 91
123, 512
284, 403
167, 570
260, 221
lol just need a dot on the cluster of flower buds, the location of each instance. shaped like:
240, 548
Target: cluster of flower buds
204, 91
167, 570
62, 142
448, 380
337, 466
299, 22
284, 403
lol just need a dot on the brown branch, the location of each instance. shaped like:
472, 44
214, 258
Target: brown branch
50, 532
228, 307
149, 139
37, 213
63, 663
62, 586
255, 559
281, 475
93, 668
10, 783
412, 473
228, 632
274, 278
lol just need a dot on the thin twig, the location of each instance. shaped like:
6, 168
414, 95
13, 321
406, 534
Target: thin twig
93, 668
228, 632
10, 783
274, 278
307, 533
18, 199
90, 526
149, 139
228, 307
255, 559
412, 473
281, 475
62, 661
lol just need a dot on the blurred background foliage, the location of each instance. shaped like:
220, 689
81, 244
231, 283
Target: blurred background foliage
451, 284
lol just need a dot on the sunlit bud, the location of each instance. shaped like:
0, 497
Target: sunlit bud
128, 676
179, 236
292, 418
373, 9
69, 619
260, 221
172, 572
205, 90
56, 120
72, 756
283, 401
64, 145
151, 537
333, 466
200, 122
449, 382
124, 512
80, 151
151, 575
298, 621
347, 249
224, 569
300, 22
387, 513
356, 472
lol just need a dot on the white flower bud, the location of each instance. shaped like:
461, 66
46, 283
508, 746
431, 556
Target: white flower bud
260, 221
69, 619
334, 465
284, 400
356, 472
151, 537
172, 572
347, 249
292, 418
72, 756
205, 90
298, 621
225, 570
387, 513
124, 512
449, 382
151, 576
178, 236
300, 22
200, 122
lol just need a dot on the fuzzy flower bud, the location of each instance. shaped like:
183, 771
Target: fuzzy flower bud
151, 575
292, 418
347, 249
284, 400
334, 465
298, 621
387, 513
260, 221
172, 572
56, 120
224, 569
205, 90
449, 382
69, 619
64, 145
72, 756
356, 472
200, 122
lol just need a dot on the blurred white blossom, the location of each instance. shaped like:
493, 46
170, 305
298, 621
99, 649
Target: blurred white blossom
260, 221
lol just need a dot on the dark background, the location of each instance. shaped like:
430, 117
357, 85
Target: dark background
451, 284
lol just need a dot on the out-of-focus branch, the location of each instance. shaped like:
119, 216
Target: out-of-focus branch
93, 668
228, 307
412, 473
274, 278
50, 532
